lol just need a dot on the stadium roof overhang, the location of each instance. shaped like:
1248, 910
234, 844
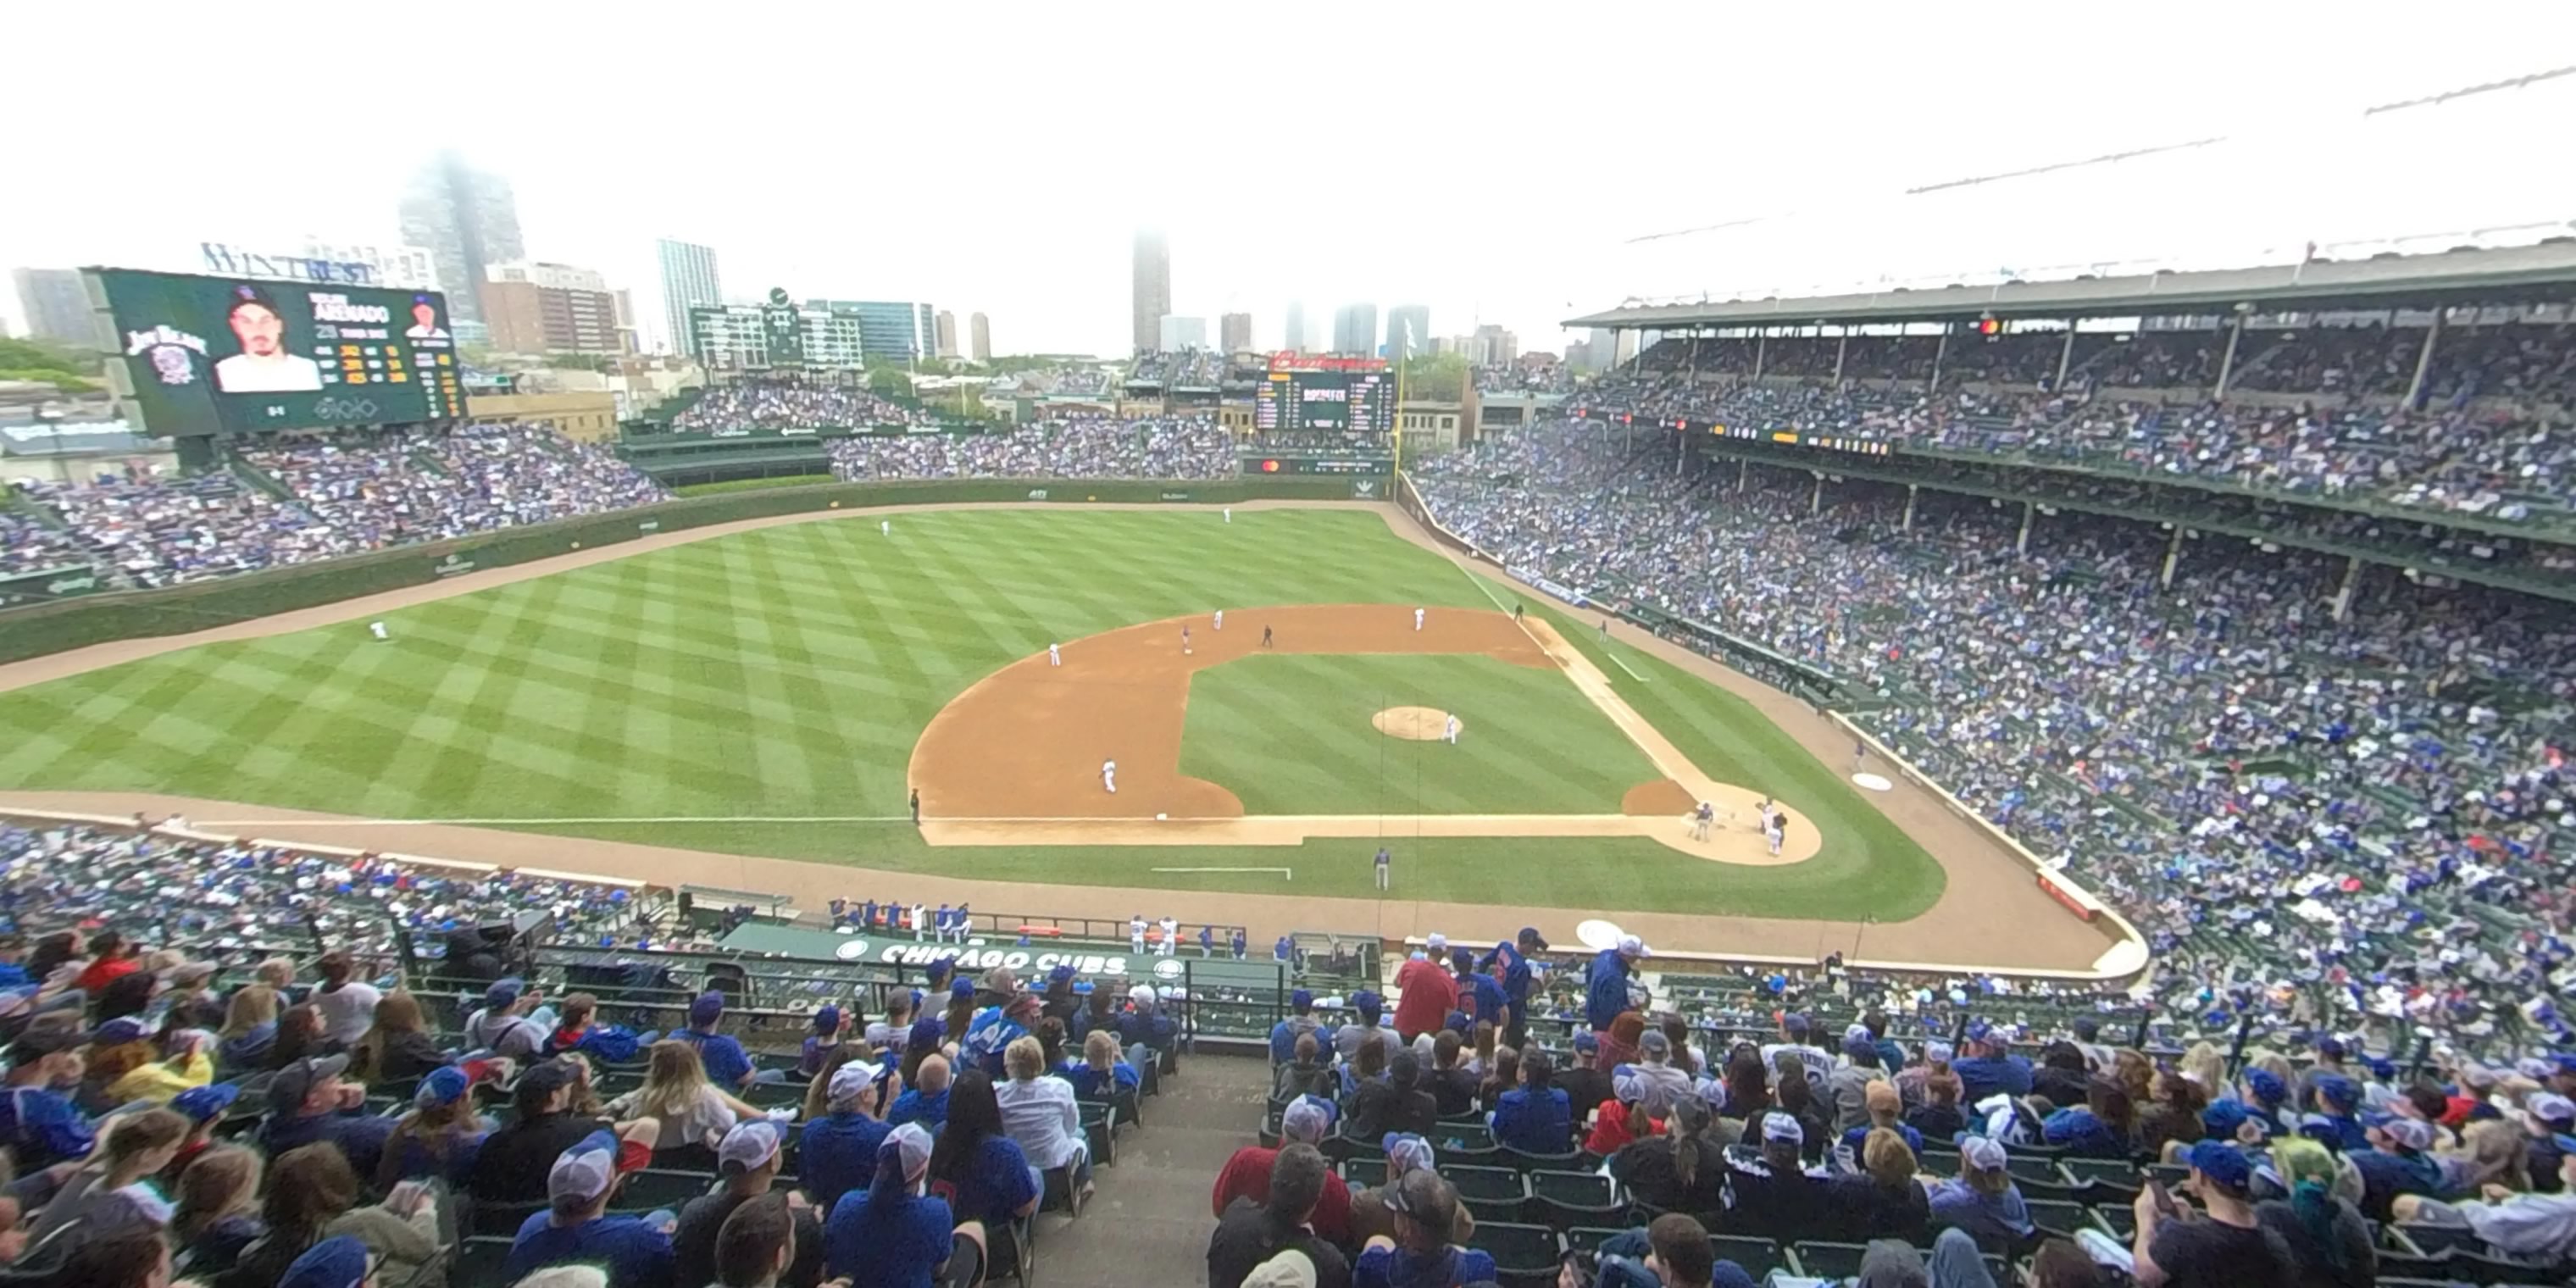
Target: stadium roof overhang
2542, 272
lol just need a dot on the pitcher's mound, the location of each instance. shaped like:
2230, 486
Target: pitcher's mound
1421, 724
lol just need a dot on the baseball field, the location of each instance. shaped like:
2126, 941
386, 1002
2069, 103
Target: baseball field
780, 692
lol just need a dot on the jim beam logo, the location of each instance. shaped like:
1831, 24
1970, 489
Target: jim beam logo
168, 348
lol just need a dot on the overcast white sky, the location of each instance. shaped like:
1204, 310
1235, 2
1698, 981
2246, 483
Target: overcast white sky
1490, 161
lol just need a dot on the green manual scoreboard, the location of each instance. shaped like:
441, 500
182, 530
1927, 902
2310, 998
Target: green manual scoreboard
206, 355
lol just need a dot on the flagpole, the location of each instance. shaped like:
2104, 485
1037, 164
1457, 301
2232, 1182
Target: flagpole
1399, 423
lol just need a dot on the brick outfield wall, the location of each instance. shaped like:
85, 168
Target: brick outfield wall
52, 627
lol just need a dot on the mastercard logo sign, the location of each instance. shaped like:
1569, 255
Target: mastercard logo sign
1270, 467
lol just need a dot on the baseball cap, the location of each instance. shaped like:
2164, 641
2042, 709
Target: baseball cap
544, 1077
1422, 1195
504, 991
1306, 1119
2413, 1133
1408, 1152
1979, 1030
1587, 1042
2330, 1046
1367, 1003
1529, 935
1289, 1269
204, 1104
1631, 946
118, 1031
2550, 1107
2341, 1092
1302, 999
747, 1146
1983, 1153
1062, 974
1941, 1051
961, 988
908, 1147
852, 1080
2534, 1068
2222, 1117
1437, 942
2220, 1162
706, 1008
186, 972
2477, 1075
441, 1086
337, 1262
585, 1171
1860, 1048
827, 1019
1783, 1129
1653, 1043
1795, 1022
925, 1034
296, 1081
2266, 1086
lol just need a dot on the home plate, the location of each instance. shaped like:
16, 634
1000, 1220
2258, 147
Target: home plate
1874, 782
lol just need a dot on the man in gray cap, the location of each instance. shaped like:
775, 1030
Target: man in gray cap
747, 1161
308, 1102
1774, 1192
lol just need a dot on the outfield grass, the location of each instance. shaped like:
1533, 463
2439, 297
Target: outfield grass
787, 672
1291, 734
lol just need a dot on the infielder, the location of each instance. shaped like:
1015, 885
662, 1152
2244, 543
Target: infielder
1185, 641
1701, 818
1220, 619
1417, 619
1055, 656
1109, 776
378, 630
1450, 734
1774, 831
1265, 637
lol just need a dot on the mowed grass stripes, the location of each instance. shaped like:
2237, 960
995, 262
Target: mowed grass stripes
1291, 733
787, 672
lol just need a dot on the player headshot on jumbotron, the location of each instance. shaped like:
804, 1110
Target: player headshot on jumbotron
264, 366
424, 318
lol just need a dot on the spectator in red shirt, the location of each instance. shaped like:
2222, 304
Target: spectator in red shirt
1306, 1121
1430, 994
114, 960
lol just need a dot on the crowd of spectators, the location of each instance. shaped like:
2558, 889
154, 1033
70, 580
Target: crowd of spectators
192, 1100
1160, 447
1927, 1158
1183, 369
1053, 382
2458, 458
1524, 378
786, 403
346, 493
2374, 812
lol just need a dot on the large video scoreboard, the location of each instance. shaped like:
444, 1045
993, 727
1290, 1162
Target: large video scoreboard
206, 355
1306, 391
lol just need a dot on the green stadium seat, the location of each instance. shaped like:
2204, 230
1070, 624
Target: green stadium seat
1566, 1200
1835, 1261
1525, 1256
1587, 1239
2059, 1218
1759, 1257
480, 1262
657, 1187
1490, 1193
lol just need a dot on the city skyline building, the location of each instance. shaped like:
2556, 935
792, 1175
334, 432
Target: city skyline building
690, 280
468, 220
1152, 296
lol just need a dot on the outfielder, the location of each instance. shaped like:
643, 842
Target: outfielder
1055, 657
1383, 859
1450, 734
1417, 619
1265, 637
1229, 514
1109, 776
378, 630
885, 527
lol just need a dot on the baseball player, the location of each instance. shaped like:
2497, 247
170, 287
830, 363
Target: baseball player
378, 630
1701, 818
1775, 830
1417, 619
1229, 514
1171, 936
1450, 734
1109, 776
1136, 934
885, 527
1055, 655
1185, 641
1762, 814
1265, 637
1383, 859
920, 920
1220, 619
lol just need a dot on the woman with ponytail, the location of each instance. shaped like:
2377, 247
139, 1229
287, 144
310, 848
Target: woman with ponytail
891, 1235
2329, 1242
1679, 1171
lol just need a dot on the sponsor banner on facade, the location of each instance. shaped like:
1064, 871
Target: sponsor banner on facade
1176, 496
649, 525
1527, 577
1037, 494
1021, 961
452, 566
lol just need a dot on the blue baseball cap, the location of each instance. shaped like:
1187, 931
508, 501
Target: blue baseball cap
2266, 1086
1368, 1004
204, 1104
827, 1019
1587, 1042
925, 1034
1062, 974
2341, 1092
339, 1262
706, 1008
2222, 1118
441, 1086
505, 991
1303, 999
961, 988
2221, 1162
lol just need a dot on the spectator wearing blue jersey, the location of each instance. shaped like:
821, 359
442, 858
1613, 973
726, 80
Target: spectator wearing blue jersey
838, 1152
38, 1122
1518, 981
1480, 992
1299, 1022
1536, 1117
1605, 984
891, 1234
1991, 1067
577, 1229
976, 1164
1102, 1073
2339, 1103
993, 1030
727, 1064
2104, 1126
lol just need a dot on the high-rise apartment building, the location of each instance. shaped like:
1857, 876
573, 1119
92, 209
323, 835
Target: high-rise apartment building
1234, 332
1495, 346
982, 336
889, 330
1355, 330
1153, 290
468, 220
947, 332
1408, 331
548, 308
1173, 333
689, 281
1294, 339
55, 306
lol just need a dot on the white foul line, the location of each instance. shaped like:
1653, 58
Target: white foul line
1285, 874
1622, 665
1525, 630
